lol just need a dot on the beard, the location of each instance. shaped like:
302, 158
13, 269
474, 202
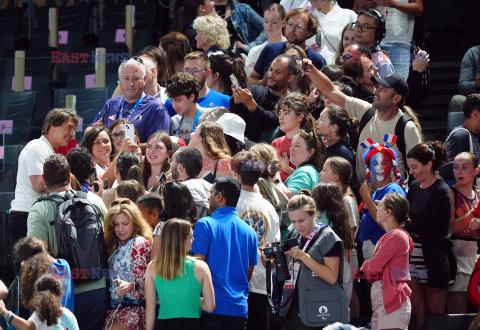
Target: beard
175, 174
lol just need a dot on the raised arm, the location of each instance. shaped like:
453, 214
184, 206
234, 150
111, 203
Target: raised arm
323, 83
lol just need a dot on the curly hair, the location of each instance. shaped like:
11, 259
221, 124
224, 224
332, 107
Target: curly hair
299, 104
26, 248
46, 301
147, 167
80, 161
213, 29
35, 267
214, 141
140, 226
329, 199
182, 84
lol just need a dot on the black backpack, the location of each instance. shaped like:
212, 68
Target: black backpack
79, 233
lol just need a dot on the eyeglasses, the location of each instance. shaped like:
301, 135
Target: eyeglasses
362, 27
118, 135
296, 26
342, 59
193, 71
121, 201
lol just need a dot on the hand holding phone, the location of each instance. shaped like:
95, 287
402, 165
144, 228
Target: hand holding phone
130, 132
234, 81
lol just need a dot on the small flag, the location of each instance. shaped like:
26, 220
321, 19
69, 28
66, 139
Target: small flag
367, 143
390, 139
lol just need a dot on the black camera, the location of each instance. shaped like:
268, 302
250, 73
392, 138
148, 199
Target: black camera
277, 251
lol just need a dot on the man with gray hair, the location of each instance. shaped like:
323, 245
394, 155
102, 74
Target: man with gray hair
144, 111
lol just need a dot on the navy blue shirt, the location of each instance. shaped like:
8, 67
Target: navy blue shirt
148, 116
272, 50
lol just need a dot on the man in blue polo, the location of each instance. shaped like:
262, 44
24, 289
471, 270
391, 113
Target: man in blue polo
229, 247
142, 110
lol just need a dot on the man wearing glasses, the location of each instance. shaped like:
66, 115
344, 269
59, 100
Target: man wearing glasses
198, 65
301, 24
369, 31
142, 110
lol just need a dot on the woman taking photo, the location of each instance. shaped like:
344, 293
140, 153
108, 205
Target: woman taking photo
432, 260
464, 225
208, 138
159, 150
177, 202
178, 281
308, 156
320, 252
222, 67
388, 269
293, 111
48, 313
117, 131
273, 25
128, 237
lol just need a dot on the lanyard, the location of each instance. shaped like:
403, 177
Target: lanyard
314, 232
132, 111
195, 123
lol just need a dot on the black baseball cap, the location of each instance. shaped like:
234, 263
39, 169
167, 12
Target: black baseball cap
393, 81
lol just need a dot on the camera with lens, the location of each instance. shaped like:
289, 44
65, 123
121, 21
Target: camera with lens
277, 251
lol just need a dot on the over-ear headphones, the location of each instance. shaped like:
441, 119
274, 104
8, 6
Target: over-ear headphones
380, 30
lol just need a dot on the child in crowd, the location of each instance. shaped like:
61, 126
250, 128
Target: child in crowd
293, 111
379, 160
48, 312
464, 225
151, 205
388, 269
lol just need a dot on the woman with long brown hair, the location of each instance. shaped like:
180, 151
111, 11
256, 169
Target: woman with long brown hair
208, 138
177, 280
128, 237
159, 150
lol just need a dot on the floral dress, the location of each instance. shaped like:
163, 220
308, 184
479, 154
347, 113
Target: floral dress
129, 263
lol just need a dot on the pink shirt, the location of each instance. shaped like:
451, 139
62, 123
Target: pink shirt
390, 263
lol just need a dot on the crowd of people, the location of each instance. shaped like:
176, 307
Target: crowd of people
253, 173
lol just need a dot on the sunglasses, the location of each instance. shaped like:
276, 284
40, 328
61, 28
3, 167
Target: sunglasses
121, 201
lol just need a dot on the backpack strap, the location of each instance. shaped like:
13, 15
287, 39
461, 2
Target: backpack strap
400, 133
57, 199
365, 119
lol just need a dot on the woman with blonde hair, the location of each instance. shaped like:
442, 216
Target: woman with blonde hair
178, 281
128, 237
293, 111
212, 34
208, 138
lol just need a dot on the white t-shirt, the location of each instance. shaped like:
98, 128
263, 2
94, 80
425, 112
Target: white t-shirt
399, 26
262, 217
66, 322
30, 162
289, 5
353, 213
332, 25
252, 57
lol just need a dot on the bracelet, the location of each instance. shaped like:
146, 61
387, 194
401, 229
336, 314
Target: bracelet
8, 315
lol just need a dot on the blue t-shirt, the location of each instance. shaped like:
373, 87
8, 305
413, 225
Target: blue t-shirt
272, 50
61, 270
211, 100
369, 228
230, 247
148, 116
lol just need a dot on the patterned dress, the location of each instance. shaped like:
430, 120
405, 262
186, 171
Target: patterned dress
129, 263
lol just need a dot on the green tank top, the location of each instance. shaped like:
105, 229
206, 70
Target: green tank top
180, 297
